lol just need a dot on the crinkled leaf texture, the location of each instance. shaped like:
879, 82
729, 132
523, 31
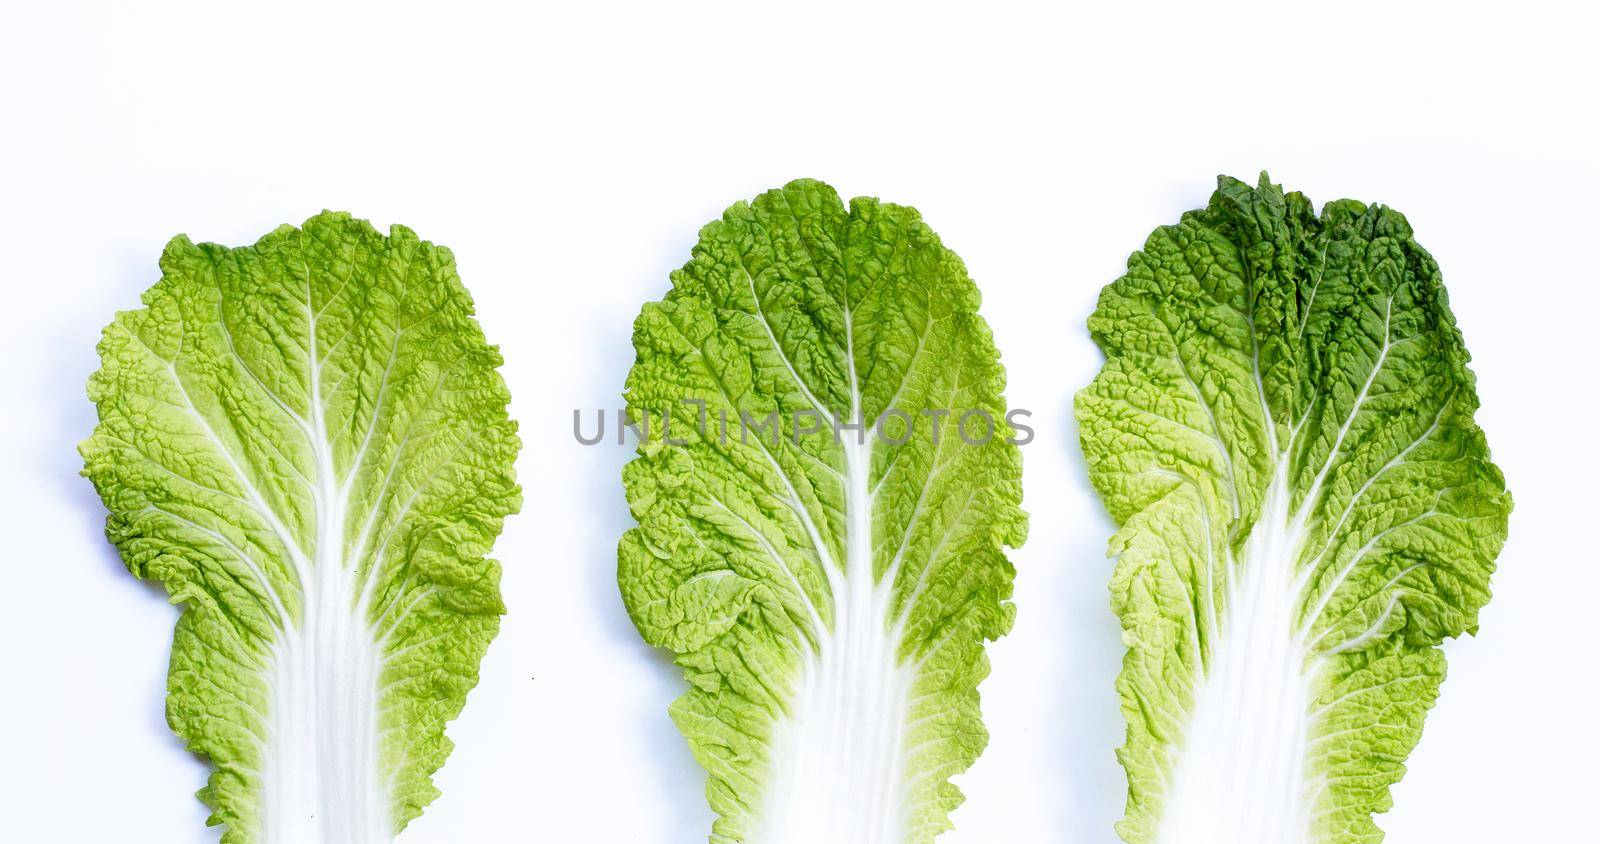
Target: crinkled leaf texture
827, 598
306, 442
1284, 432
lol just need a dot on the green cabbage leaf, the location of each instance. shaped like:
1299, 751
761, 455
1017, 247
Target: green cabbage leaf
306, 442
1283, 431
827, 596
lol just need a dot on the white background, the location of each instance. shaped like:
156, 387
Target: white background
568, 155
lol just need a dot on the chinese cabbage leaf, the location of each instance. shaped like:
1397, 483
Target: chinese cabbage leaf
1283, 430
828, 597
306, 442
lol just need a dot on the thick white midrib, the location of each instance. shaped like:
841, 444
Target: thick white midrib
318, 777
320, 782
1240, 774
838, 759
1263, 656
